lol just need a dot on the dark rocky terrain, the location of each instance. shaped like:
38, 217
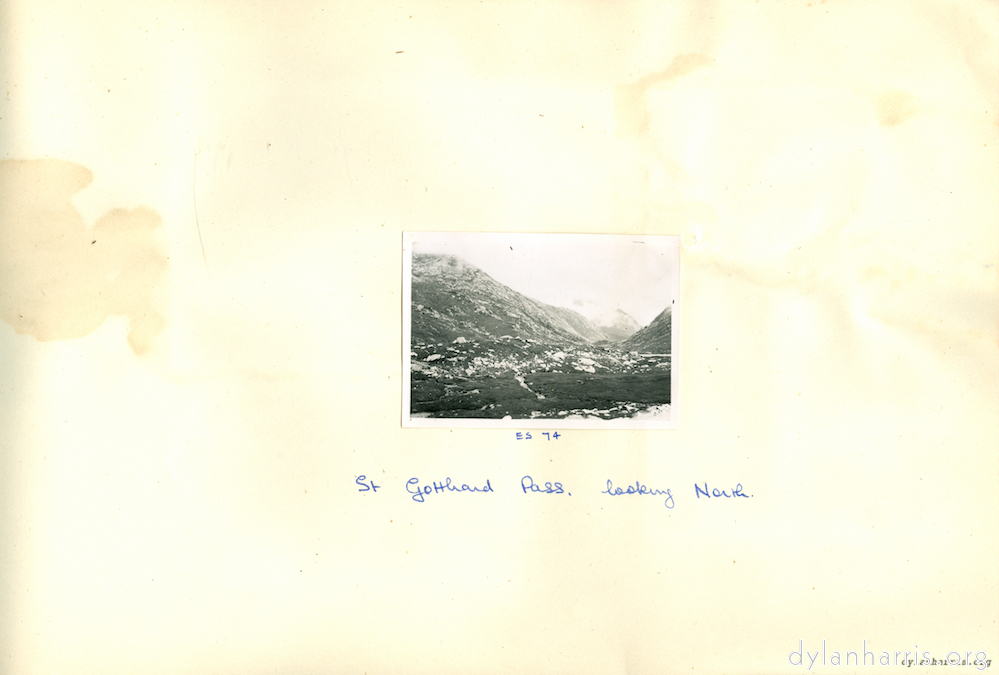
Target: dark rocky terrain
481, 350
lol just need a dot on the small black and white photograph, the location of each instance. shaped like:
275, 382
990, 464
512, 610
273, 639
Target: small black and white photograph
539, 330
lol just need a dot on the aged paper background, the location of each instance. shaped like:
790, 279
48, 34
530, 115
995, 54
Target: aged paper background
201, 339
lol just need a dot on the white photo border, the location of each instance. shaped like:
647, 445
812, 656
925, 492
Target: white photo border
668, 421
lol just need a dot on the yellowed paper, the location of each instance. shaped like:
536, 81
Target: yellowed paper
202, 209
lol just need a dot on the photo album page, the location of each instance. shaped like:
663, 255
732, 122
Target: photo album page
499, 337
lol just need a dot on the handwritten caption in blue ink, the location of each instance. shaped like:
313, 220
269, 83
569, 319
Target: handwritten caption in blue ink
549, 435
366, 484
421, 493
715, 492
527, 484
639, 489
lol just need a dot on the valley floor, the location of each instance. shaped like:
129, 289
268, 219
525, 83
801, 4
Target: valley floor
524, 380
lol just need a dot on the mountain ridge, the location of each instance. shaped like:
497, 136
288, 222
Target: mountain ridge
452, 298
656, 337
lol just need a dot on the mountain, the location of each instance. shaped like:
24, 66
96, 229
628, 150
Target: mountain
615, 324
654, 338
479, 349
453, 299
618, 326
579, 323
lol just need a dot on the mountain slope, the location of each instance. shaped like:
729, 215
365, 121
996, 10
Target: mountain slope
579, 324
654, 338
615, 324
618, 326
452, 299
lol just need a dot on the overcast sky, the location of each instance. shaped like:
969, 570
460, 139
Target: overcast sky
591, 273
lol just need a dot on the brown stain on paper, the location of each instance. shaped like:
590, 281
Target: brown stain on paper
631, 109
60, 280
667, 203
895, 107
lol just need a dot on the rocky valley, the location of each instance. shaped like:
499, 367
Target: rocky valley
479, 349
